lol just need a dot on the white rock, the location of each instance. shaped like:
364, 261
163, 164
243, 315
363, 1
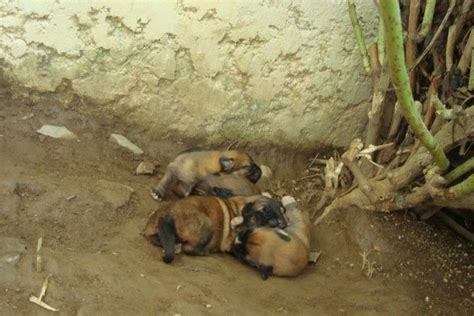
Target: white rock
124, 142
56, 132
145, 168
266, 172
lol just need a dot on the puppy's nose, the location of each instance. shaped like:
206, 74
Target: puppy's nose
282, 223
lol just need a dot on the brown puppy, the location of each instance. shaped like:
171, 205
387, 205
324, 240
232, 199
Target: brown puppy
225, 186
276, 251
190, 167
204, 224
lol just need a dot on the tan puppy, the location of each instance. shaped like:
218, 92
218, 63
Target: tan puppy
276, 251
225, 186
188, 168
204, 224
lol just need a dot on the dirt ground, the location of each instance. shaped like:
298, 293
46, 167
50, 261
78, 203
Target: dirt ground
74, 194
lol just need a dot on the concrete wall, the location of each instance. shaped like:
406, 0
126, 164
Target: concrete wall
284, 72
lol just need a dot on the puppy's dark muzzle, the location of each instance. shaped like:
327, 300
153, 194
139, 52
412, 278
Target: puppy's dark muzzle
278, 222
254, 173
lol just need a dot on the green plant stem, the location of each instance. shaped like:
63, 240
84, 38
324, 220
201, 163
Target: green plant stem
467, 166
441, 109
427, 19
390, 12
359, 36
381, 42
461, 189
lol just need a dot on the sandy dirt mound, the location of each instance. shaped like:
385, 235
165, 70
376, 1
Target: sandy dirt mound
83, 198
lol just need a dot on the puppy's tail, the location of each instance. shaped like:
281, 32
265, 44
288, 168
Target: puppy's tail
167, 233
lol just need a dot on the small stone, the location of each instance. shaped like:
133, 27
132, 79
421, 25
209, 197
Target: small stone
27, 117
142, 275
124, 142
56, 132
208, 306
145, 168
314, 256
11, 258
116, 194
427, 299
266, 172
178, 287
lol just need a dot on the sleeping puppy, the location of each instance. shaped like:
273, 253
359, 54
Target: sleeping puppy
203, 224
225, 186
275, 251
188, 168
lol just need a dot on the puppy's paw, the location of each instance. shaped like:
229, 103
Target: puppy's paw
287, 200
236, 221
156, 196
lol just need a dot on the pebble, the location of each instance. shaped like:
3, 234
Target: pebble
145, 168
56, 132
125, 143
427, 299
208, 306
267, 173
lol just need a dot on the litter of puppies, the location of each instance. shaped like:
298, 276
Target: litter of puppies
221, 209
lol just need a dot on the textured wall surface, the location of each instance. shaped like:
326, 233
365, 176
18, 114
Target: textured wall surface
264, 71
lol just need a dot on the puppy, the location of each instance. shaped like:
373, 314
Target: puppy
204, 224
276, 251
225, 186
190, 167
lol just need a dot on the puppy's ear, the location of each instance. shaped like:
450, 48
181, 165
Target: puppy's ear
227, 164
248, 210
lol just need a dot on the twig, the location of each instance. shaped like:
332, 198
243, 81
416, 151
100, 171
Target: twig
450, 47
397, 118
38, 256
455, 226
232, 144
436, 35
39, 300
359, 36
390, 12
471, 74
427, 20
410, 47
381, 84
350, 160
466, 53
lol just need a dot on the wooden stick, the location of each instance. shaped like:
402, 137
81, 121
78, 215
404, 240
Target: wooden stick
410, 47
450, 47
38, 256
455, 226
466, 53
436, 35
381, 84
39, 300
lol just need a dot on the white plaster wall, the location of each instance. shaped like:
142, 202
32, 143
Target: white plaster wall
285, 72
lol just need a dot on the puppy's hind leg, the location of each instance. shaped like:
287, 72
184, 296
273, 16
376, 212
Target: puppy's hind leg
159, 191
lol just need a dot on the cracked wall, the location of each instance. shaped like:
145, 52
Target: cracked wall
283, 72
